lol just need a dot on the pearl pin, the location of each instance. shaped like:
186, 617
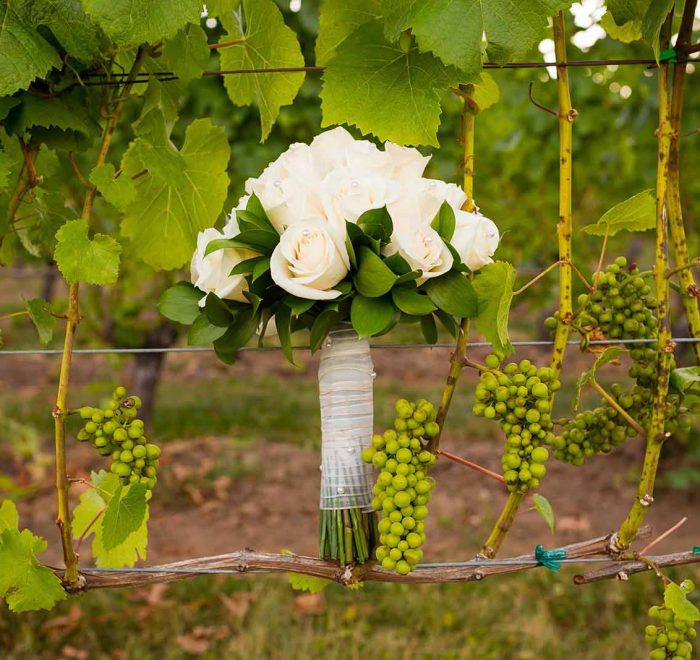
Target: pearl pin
277, 184
305, 233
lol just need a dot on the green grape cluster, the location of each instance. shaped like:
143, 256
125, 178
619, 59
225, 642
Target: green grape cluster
520, 397
116, 431
672, 637
402, 490
621, 308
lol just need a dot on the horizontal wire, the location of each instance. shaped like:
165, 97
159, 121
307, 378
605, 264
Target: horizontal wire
252, 349
474, 563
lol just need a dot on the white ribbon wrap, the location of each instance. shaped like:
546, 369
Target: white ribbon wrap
345, 380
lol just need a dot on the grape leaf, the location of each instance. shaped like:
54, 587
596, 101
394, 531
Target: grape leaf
40, 117
653, 21
338, 19
46, 213
494, 292
119, 192
544, 508
677, 601
686, 380
9, 519
81, 259
24, 53
125, 514
44, 321
610, 354
625, 33
24, 582
638, 213
226, 10
380, 89
623, 11
73, 29
308, 583
183, 193
453, 29
486, 91
131, 23
187, 53
163, 97
92, 502
267, 43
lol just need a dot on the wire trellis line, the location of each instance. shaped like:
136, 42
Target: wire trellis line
253, 349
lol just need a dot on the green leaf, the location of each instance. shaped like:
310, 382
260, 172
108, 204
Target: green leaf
677, 601
187, 53
124, 514
653, 21
370, 316
448, 322
322, 325
203, 332
623, 11
283, 322
380, 89
377, 224
686, 380
24, 53
308, 583
119, 191
182, 194
298, 305
410, 301
73, 29
638, 213
24, 583
544, 508
268, 43
92, 502
65, 112
453, 29
43, 319
82, 259
131, 23
338, 19
494, 291
486, 91
374, 278
258, 239
610, 354
444, 222
429, 329
217, 311
180, 303
454, 294
261, 267
9, 518
625, 33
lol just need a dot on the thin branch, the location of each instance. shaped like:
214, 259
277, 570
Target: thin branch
226, 44
693, 263
539, 105
537, 278
603, 249
661, 537
474, 466
623, 570
88, 528
613, 402
76, 169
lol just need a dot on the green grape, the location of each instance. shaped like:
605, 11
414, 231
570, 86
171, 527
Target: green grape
672, 638
402, 488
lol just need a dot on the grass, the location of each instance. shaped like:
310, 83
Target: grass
537, 615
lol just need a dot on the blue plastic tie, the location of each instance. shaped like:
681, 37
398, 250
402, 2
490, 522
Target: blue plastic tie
668, 55
550, 558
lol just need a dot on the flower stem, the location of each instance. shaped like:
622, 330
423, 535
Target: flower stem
656, 434
674, 208
566, 118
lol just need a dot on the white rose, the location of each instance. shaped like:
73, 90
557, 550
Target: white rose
423, 249
421, 199
407, 162
210, 273
231, 227
337, 148
475, 239
347, 194
308, 262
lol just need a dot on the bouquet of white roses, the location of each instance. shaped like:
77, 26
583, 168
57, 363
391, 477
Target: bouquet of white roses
344, 238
